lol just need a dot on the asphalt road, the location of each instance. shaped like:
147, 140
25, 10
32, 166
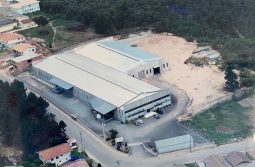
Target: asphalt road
109, 157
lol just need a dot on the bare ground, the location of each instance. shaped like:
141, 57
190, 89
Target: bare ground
202, 84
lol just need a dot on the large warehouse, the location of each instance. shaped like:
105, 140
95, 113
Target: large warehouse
110, 92
123, 57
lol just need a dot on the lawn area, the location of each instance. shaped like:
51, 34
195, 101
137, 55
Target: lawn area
223, 123
42, 32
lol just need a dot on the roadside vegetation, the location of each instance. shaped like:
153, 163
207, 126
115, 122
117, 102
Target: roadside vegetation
223, 124
25, 126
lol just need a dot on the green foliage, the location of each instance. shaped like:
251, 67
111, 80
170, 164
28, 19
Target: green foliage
41, 20
231, 79
247, 78
113, 133
227, 26
199, 62
24, 122
81, 155
222, 123
43, 32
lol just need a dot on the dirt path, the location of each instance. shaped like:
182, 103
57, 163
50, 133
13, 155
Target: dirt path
54, 33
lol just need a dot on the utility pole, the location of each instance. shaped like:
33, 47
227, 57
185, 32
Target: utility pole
81, 141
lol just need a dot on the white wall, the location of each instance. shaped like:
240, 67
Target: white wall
28, 51
59, 160
28, 8
12, 43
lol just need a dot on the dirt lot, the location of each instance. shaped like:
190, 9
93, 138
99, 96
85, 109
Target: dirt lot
201, 84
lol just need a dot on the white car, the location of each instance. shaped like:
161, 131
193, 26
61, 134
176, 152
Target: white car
140, 121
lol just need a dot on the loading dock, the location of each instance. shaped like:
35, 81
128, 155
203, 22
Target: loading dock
156, 70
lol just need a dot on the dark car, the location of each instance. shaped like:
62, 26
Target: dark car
160, 112
156, 116
136, 123
57, 90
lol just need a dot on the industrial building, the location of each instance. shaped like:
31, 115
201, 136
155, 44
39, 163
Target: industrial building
110, 92
125, 58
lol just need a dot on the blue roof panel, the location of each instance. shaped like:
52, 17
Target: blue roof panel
128, 51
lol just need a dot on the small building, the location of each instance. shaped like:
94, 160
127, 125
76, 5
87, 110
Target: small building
174, 144
56, 155
10, 39
23, 49
25, 6
77, 163
216, 161
26, 23
125, 58
25, 61
236, 158
7, 24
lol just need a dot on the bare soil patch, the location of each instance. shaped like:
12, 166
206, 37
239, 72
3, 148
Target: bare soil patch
202, 84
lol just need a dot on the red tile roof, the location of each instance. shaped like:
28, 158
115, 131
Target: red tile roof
55, 151
22, 47
9, 36
25, 21
77, 163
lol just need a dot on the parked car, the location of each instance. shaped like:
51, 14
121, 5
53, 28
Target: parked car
156, 116
140, 121
136, 123
57, 90
160, 112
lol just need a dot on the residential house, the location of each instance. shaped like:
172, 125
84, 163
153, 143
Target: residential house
77, 163
25, 61
25, 6
23, 49
10, 39
7, 24
26, 23
56, 155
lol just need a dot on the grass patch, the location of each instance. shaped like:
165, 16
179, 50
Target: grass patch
43, 32
41, 13
223, 123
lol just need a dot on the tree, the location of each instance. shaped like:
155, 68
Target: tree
231, 79
247, 79
113, 133
40, 20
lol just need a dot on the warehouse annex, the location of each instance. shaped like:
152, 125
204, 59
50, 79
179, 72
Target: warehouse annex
110, 92
123, 57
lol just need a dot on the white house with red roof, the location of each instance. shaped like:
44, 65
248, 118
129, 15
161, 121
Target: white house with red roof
56, 155
10, 39
23, 49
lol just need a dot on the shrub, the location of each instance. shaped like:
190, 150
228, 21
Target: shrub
40, 20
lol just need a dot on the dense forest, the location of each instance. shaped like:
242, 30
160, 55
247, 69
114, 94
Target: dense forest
24, 123
226, 25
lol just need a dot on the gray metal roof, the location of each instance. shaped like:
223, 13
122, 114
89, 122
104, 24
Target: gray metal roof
128, 51
175, 143
216, 161
5, 21
236, 158
61, 83
9, 13
97, 79
101, 106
